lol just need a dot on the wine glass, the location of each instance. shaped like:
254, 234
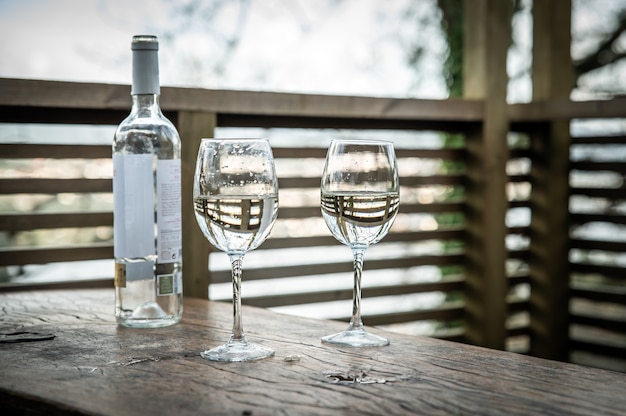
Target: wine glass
360, 200
235, 198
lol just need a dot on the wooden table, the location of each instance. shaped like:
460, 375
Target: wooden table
91, 366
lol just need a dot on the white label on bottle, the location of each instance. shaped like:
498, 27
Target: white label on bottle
169, 218
133, 195
178, 283
141, 270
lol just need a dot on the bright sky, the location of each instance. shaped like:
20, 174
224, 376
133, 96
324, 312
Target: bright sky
354, 47
320, 46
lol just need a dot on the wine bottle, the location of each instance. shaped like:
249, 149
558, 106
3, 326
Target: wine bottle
147, 221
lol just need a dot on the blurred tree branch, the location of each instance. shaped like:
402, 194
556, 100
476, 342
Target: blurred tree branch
606, 52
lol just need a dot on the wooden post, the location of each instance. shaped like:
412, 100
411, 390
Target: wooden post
192, 127
549, 248
486, 41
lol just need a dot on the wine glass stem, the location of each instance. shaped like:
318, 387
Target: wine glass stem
356, 321
235, 262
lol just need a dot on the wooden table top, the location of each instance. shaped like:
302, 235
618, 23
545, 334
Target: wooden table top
92, 366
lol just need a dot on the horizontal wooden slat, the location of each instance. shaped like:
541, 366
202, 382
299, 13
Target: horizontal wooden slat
519, 254
54, 186
54, 94
299, 152
450, 334
609, 324
60, 285
224, 276
586, 244
38, 185
518, 331
600, 294
519, 178
28, 93
446, 312
519, 153
518, 279
327, 122
298, 212
39, 113
446, 153
37, 221
420, 153
449, 285
599, 166
279, 119
518, 305
519, 230
317, 241
519, 203
565, 109
297, 242
299, 183
432, 180
432, 208
599, 140
443, 234
583, 218
608, 193
596, 347
54, 151
41, 255
611, 271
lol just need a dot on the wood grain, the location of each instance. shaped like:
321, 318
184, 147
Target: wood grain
486, 33
54, 94
94, 367
549, 249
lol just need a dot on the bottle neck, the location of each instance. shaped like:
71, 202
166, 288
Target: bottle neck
145, 104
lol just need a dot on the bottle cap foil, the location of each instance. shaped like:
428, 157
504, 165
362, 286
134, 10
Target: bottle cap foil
145, 65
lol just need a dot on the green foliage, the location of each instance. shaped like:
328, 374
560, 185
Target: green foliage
452, 24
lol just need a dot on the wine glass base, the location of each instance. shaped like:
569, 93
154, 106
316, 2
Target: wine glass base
357, 337
234, 351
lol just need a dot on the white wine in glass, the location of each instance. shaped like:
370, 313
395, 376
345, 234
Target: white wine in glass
235, 198
360, 200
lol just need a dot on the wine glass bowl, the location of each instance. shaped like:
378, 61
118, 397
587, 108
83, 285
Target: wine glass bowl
359, 201
235, 199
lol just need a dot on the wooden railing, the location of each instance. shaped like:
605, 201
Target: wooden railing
597, 260
583, 302
429, 266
